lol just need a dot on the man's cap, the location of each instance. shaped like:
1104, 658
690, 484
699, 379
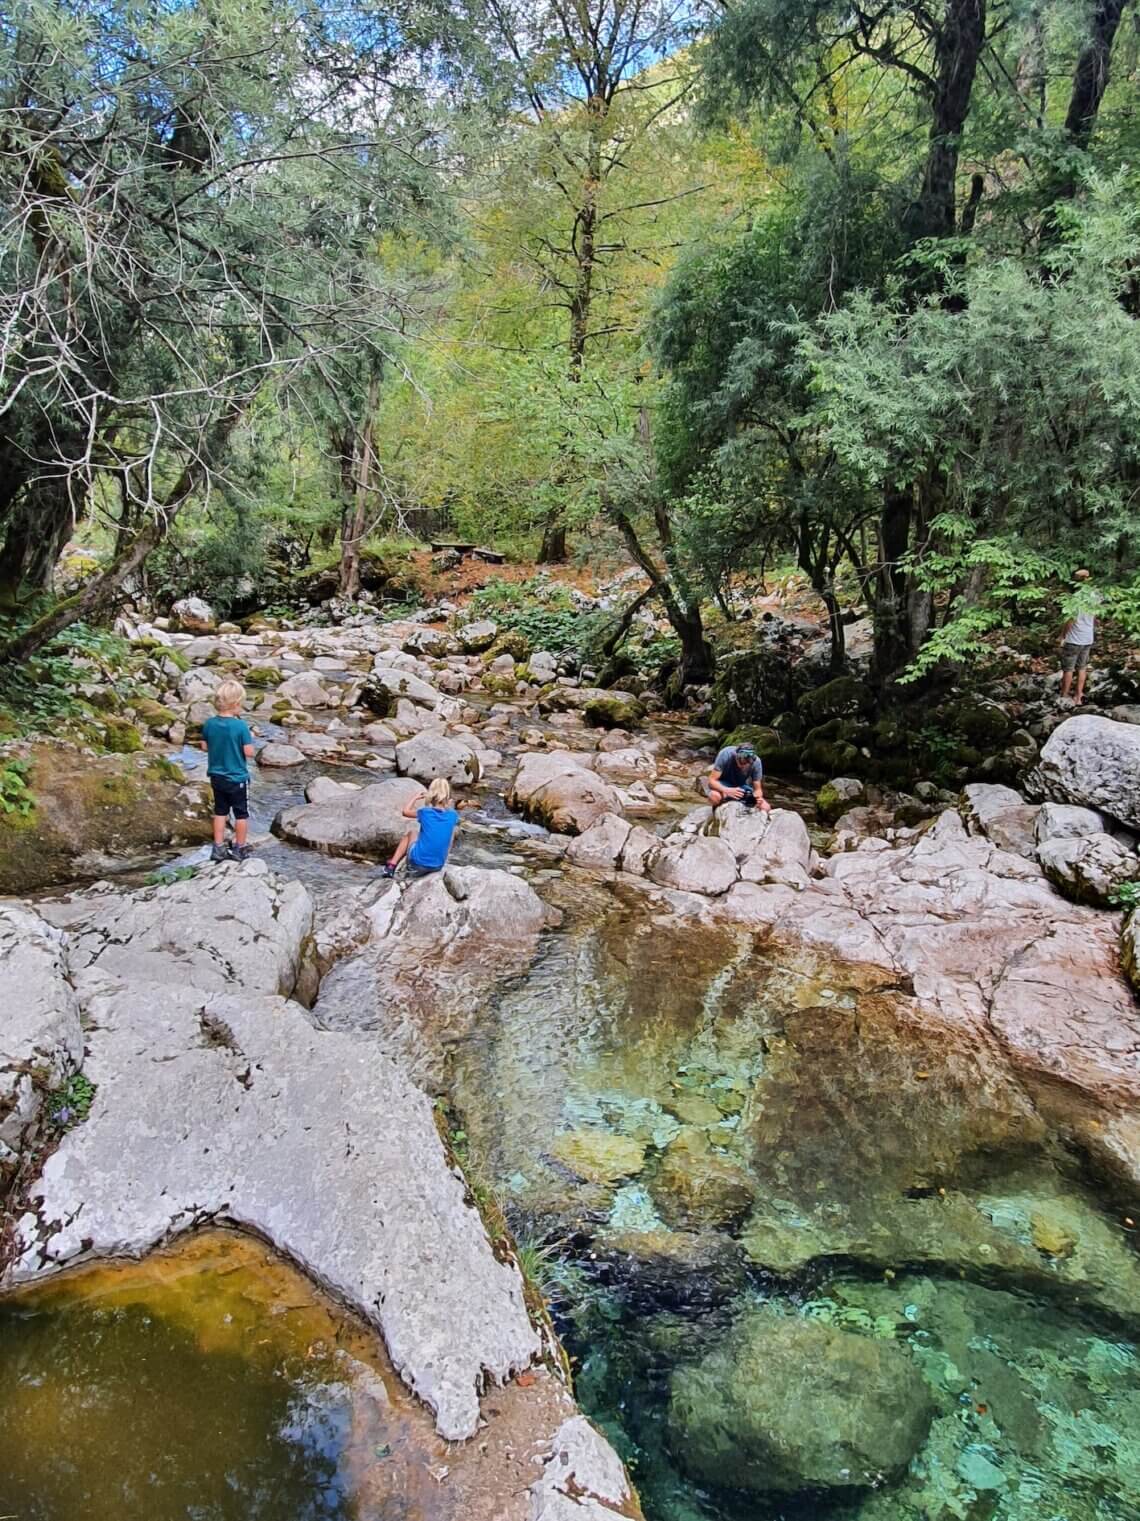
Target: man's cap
748, 751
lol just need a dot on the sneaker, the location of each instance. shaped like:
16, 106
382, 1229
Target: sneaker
219, 853
389, 871
240, 852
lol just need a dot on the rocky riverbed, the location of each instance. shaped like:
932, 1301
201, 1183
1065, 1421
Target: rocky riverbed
853, 1099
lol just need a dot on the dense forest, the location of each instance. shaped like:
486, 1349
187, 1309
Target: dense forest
773, 284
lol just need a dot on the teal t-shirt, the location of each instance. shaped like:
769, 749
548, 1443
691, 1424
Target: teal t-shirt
225, 756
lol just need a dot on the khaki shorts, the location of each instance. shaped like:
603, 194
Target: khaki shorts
1075, 657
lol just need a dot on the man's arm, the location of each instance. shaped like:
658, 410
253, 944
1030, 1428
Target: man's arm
1067, 630
717, 785
758, 788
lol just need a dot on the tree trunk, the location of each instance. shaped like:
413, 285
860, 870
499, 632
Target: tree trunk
892, 624
1090, 79
98, 593
41, 524
957, 50
355, 517
553, 551
698, 663
583, 240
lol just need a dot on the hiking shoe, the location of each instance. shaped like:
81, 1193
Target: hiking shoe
219, 853
240, 852
388, 871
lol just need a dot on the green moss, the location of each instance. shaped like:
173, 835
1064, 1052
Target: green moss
177, 658
510, 642
845, 697
262, 676
121, 737
155, 714
500, 684
613, 712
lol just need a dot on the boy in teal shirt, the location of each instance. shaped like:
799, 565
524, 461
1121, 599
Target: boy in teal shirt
229, 744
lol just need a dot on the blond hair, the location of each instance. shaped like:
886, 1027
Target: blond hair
229, 696
439, 792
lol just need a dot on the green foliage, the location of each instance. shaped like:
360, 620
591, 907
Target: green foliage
166, 875
544, 612
1126, 896
70, 1104
16, 796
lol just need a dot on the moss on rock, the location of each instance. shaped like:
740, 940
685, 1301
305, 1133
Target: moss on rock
613, 712
510, 642
89, 807
120, 736
845, 697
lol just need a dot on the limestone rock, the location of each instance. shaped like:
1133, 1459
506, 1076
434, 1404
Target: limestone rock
322, 788
838, 796
768, 847
559, 789
400, 683
232, 1107
625, 765
41, 1040
599, 848
318, 746
427, 756
613, 710
1063, 821
1096, 762
1001, 815
1130, 948
1088, 868
476, 637
639, 845
788, 1404
693, 863
369, 822
228, 928
198, 685
279, 755
193, 616
583, 1479
306, 691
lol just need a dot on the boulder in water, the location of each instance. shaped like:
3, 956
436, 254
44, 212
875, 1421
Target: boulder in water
788, 1405
367, 823
558, 788
306, 691
278, 755
476, 637
428, 755
697, 1187
768, 847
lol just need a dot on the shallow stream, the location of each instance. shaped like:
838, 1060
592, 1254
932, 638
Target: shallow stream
777, 1220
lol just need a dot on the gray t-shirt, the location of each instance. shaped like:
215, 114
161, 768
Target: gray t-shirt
1082, 629
734, 773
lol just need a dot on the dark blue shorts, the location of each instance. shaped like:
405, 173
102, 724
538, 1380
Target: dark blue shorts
230, 797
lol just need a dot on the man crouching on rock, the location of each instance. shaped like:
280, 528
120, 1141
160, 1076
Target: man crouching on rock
737, 776
426, 850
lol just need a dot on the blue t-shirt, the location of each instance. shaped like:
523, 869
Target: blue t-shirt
733, 772
225, 755
437, 825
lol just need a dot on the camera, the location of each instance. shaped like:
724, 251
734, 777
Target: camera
748, 797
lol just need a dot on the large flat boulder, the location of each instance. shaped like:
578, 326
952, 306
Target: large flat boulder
693, 863
1096, 762
41, 1039
229, 927
365, 823
231, 1107
401, 683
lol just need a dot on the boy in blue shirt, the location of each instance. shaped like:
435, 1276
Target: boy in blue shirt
229, 744
427, 850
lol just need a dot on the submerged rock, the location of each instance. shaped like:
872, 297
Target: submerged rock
279, 755
790, 1405
697, 1187
598, 1156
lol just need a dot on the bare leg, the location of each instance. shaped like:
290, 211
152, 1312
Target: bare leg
1081, 674
219, 829
1066, 682
401, 849
241, 832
